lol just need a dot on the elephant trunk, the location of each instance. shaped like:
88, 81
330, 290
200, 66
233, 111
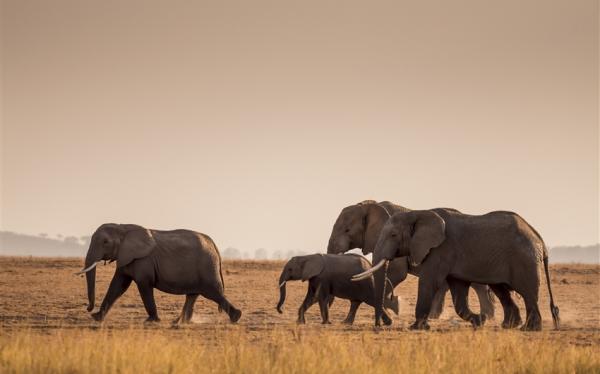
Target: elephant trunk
90, 277
330, 245
380, 285
282, 280
91, 260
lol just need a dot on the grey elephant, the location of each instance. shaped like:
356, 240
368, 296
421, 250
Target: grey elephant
499, 249
359, 226
329, 276
181, 262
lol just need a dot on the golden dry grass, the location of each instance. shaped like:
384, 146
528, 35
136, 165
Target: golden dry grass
44, 328
288, 350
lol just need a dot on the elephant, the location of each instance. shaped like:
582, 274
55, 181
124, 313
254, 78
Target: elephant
499, 248
329, 276
180, 262
359, 226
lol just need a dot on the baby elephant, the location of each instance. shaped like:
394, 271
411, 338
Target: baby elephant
329, 276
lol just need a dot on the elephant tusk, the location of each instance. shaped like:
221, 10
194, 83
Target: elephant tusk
368, 273
88, 268
282, 284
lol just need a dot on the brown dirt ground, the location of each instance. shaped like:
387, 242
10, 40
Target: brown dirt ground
45, 295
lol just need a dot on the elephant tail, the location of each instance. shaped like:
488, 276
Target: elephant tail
222, 282
553, 308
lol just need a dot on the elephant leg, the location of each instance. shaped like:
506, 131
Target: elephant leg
324, 307
188, 308
486, 300
215, 294
309, 300
526, 282
354, 304
533, 320
385, 317
460, 297
323, 296
118, 285
512, 316
147, 295
427, 289
437, 305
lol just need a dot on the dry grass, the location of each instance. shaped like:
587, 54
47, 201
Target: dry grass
44, 328
288, 350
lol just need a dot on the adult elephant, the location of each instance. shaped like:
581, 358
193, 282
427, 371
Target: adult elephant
359, 226
499, 248
181, 262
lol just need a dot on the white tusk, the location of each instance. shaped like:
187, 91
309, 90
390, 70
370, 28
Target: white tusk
368, 273
359, 277
88, 268
282, 284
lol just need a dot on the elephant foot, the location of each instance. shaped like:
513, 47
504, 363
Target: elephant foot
300, 321
478, 320
511, 323
98, 316
420, 325
387, 321
327, 322
181, 321
533, 326
348, 321
235, 315
152, 319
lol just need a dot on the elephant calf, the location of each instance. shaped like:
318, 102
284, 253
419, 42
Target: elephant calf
329, 277
179, 262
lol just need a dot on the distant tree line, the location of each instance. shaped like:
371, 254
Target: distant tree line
14, 244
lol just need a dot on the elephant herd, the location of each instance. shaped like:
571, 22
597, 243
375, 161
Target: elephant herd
494, 253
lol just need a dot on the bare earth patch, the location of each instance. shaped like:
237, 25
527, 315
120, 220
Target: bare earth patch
42, 302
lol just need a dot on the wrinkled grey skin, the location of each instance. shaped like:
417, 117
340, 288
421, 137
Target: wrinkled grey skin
179, 262
499, 248
329, 276
359, 226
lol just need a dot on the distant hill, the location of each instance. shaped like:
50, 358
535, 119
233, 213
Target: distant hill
586, 255
13, 244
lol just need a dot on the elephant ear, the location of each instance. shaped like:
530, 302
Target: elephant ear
312, 267
136, 244
429, 231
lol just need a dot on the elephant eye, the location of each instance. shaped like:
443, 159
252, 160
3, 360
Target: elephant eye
347, 230
105, 241
393, 235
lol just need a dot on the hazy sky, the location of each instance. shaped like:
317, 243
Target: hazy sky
256, 122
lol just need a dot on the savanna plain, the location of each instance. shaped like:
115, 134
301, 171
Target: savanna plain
44, 328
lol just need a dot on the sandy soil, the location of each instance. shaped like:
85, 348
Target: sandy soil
44, 294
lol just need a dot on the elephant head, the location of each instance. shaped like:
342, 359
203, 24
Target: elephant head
299, 267
358, 226
413, 235
113, 242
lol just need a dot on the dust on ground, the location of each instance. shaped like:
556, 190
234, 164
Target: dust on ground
45, 295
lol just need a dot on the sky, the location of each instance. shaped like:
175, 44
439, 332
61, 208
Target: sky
256, 122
